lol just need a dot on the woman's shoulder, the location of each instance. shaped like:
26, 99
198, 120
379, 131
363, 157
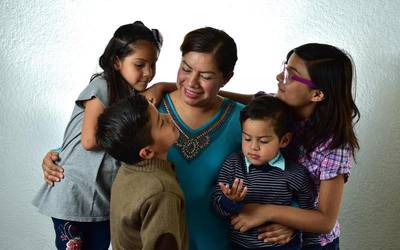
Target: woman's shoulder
236, 106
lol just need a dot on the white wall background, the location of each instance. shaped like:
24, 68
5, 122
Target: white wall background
49, 49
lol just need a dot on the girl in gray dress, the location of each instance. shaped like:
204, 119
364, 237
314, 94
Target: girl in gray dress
79, 204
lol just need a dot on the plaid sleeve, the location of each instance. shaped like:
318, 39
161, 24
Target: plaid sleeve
335, 162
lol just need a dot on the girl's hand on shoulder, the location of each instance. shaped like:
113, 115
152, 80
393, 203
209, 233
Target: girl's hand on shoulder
51, 171
237, 192
155, 93
250, 216
275, 233
151, 95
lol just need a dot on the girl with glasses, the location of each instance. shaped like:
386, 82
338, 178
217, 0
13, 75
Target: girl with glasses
317, 82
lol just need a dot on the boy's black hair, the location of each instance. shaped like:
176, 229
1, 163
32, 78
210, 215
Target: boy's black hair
123, 128
269, 107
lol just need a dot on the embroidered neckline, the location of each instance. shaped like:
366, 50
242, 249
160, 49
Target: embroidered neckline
190, 145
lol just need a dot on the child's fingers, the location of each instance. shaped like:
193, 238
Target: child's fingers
228, 190
243, 193
224, 188
235, 186
240, 187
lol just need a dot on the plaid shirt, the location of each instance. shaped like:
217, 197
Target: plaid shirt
323, 164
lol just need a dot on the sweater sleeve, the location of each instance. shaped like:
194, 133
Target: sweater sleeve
163, 214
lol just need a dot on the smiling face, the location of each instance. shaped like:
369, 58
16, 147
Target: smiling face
260, 143
199, 79
139, 68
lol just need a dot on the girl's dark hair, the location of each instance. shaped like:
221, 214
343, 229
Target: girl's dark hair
123, 128
272, 108
332, 71
120, 46
216, 42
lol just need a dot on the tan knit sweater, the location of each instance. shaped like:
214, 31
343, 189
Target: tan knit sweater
146, 202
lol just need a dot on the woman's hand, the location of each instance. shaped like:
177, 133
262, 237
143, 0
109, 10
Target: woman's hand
51, 171
275, 233
250, 216
236, 193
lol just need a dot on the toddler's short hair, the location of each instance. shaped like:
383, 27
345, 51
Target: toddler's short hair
272, 108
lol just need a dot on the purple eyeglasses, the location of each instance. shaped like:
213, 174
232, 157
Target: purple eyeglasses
289, 75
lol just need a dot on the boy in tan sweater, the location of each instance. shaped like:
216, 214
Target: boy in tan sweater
147, 205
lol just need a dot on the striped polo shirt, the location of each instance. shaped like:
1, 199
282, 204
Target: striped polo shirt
266, 185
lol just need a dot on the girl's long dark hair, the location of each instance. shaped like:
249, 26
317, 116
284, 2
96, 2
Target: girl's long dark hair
120, 46
332, 70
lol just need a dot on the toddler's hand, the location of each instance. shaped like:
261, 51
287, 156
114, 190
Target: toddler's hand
237, 192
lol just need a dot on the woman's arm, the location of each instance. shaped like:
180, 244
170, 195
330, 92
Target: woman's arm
93, 108
242, 98
316, 221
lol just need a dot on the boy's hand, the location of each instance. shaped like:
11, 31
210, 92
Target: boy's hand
236, 193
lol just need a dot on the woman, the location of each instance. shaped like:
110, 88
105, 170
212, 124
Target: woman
317, 82
209, 127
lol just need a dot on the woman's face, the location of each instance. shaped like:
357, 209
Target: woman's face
199, 79
295, 94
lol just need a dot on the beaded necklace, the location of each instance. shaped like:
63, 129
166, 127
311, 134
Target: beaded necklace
191, 145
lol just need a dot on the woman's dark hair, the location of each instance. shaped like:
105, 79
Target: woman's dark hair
123, 129
216, 42
332, 71
272, 108
120, 46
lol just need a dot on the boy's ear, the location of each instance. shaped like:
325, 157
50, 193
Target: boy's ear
146, 153
285, 140
317, 95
